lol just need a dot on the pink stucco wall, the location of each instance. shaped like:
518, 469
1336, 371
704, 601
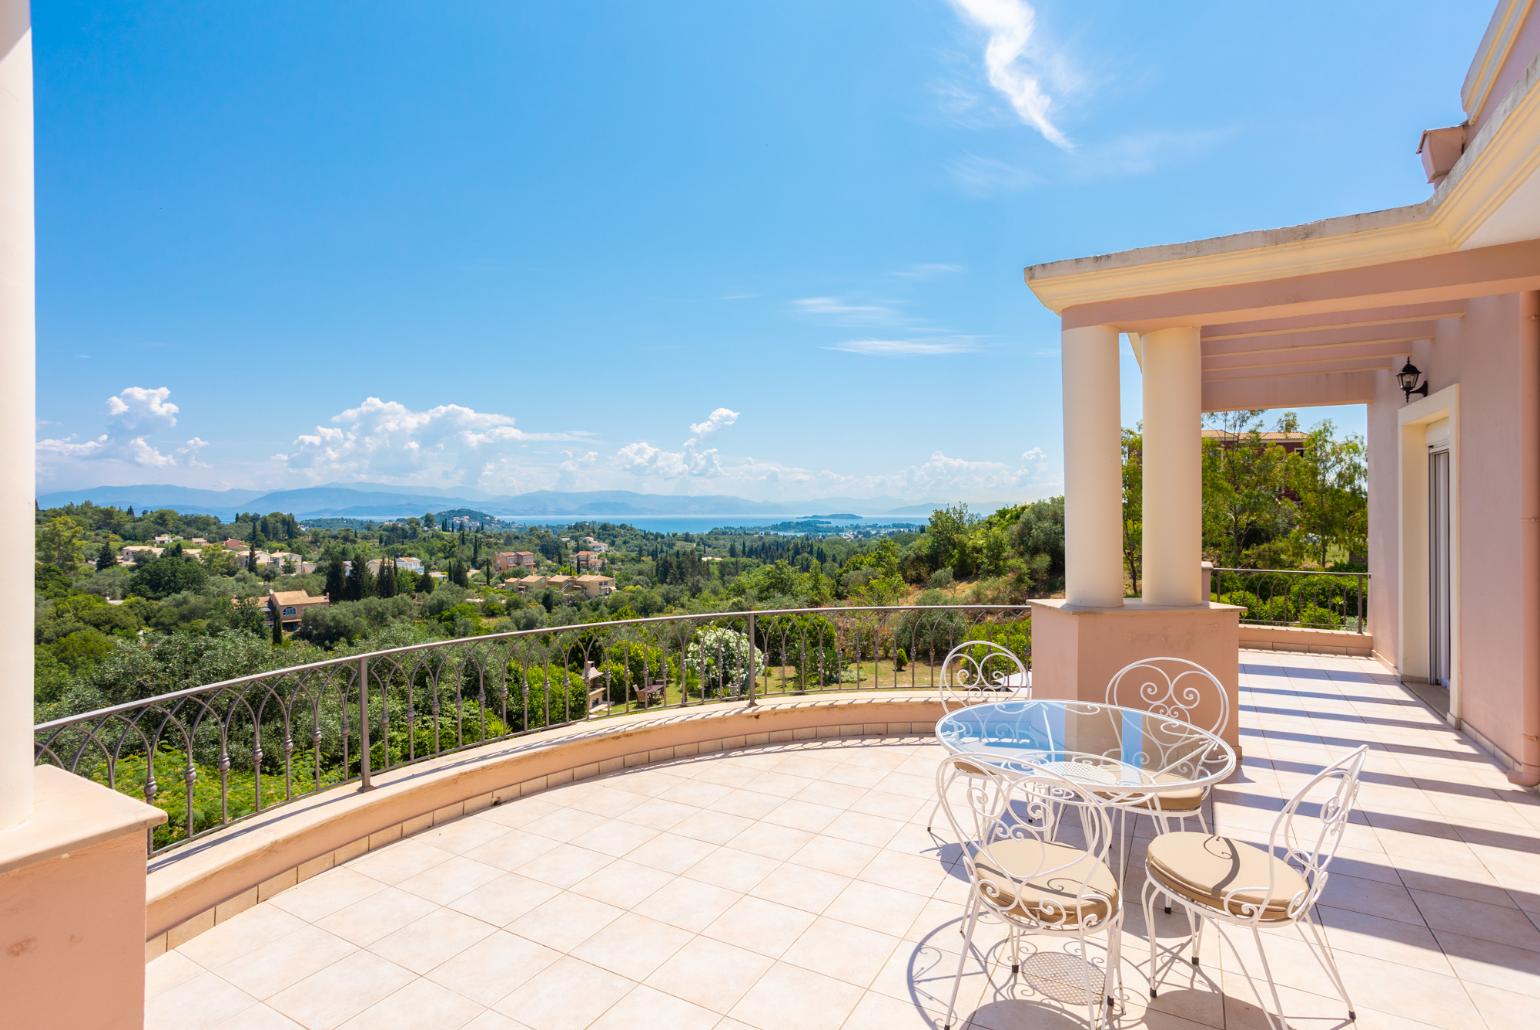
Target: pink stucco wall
1483, 352
1526, 46
1496, 464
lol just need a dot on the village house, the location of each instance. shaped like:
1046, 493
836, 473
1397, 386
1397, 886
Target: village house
589, 561
289, 606
133, 554
507, 561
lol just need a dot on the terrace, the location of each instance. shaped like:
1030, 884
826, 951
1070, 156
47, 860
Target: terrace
791, 882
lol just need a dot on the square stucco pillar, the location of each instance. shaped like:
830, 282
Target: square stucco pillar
72, 892
1076, 650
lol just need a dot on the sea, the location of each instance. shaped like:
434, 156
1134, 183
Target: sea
706, 523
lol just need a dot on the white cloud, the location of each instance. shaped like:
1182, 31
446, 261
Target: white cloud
981, 176
720, 418
447, 444
139, 408
1012, 63
133, 414
906, 348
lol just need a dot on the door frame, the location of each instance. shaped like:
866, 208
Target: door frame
1412, 645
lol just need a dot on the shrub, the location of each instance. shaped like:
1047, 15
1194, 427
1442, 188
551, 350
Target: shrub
1244, 599
1317, 617
1275, 610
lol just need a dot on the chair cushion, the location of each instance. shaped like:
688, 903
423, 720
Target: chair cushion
1045, 883
1187, 799
1202, 868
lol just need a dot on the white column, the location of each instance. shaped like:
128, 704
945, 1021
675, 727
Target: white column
1093, 462
17, 425
1173, 467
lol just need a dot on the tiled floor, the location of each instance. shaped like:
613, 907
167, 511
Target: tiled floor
797, 887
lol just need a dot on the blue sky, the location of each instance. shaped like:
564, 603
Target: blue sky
765, 249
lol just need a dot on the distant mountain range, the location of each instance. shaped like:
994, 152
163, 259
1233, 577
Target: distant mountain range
382, 501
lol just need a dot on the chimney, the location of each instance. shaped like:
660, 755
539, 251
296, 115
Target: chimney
1440, 149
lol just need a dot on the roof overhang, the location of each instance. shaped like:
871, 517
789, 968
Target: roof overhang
1483, 202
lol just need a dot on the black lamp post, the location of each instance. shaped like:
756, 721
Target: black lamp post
1408, 377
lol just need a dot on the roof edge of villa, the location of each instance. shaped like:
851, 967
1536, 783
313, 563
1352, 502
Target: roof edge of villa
1496, 161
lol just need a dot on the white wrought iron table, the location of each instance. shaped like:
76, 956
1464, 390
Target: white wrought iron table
1127, 755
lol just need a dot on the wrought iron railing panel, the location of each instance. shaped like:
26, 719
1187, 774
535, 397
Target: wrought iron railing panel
212, 755
1295, 597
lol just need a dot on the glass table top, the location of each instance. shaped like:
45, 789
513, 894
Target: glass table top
1094, 744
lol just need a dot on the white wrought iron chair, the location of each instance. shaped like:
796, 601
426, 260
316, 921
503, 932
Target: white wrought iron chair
1038, 861
1177, 689
976, 672
1230, 881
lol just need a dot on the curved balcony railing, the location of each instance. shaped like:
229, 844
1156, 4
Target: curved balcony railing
211, 755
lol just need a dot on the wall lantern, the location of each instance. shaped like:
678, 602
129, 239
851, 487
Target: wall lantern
1408, 377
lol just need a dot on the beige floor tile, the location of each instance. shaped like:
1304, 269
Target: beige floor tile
567, 995
364, 922
240, 935
396, 862
1476, 919
1407, 944
1477, 961
632, 945
168, 971
713, 827
504, 899
258, 1017
420, 1005
622, 883
493, 967
341, 991
831, 793
787, 996
710, 973
202, 1000
490, 1020
1502, 1008
771, 840
802, 815
761, 926
462, 835
564, 922
875, 907
566, 824
450, 879
811, 890
879, 1012
846, 952
671, 852
842, 857
890, 806
657, 813
564, 865
519, 813
917, 874
746, 803
326, 893
647, 1009
512, 850
863, 829
436, 937
615, 837
688, 904
735, 870
268, 969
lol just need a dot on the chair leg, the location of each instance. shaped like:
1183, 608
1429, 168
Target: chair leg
1090, 977
1015, 951
972, 918
1114, 979
1197, 923
1322, 950
1274, 1017
1149, 928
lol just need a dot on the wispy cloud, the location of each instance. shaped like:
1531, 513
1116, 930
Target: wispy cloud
906, 348
928, 270
1011, 62
847, 312
980, 176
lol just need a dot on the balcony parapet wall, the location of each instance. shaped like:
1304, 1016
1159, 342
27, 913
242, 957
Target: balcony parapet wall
219, 876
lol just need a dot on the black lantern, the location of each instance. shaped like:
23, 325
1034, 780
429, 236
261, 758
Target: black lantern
1408, 377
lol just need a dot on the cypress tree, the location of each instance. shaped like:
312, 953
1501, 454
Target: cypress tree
278, 626
105, 559
336, 579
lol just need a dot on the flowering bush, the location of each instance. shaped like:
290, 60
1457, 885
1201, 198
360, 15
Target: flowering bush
720, 658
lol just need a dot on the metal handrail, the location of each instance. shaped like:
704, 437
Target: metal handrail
213, 754
1358, 614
